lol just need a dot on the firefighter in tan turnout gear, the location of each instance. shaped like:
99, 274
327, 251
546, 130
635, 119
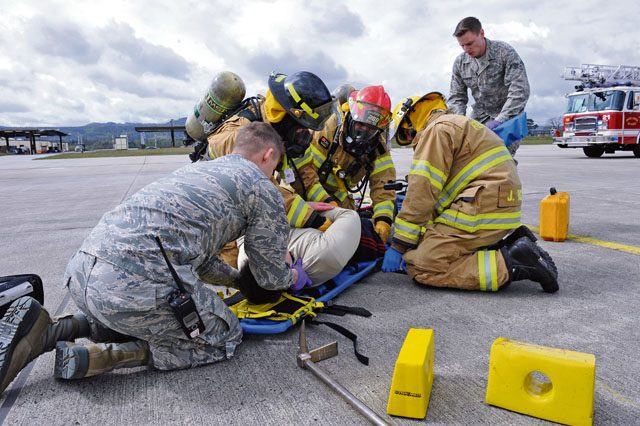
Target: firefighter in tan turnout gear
293, 106
459, 225
349, 153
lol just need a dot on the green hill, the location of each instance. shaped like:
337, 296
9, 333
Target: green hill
100, 135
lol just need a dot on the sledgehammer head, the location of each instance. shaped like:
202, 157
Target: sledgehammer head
316, 355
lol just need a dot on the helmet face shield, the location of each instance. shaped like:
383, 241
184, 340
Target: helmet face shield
313, 119
371, 105
370, 114
411, 115
304, 97
400, 129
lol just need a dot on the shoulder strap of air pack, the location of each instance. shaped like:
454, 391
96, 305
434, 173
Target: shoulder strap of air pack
251, 109
327, 166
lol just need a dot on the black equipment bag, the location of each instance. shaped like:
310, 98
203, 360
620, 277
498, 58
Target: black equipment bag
15, 286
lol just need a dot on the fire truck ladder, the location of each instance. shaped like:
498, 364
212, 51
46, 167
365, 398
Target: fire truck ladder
593, 75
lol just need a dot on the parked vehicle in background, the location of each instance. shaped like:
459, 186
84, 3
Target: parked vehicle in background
18, 150
603, 114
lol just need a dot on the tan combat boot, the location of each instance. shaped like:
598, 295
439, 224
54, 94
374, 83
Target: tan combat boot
27, 331
21, 331
78, 361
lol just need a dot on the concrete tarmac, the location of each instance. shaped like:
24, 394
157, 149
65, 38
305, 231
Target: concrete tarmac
48, 207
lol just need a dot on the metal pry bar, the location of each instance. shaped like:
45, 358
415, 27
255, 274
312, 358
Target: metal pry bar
306, 359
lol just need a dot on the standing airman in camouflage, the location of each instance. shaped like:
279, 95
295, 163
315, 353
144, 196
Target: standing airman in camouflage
119, 278
494, 73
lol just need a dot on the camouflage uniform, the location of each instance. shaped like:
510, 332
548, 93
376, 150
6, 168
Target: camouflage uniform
498, 83
464, 195
299, 213
378, 166
120, 279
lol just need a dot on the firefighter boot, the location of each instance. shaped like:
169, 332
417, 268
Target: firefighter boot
78, 361
27, 331
516, 234
519, 232
527, 261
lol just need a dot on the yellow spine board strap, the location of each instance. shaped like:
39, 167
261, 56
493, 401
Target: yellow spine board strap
288, 307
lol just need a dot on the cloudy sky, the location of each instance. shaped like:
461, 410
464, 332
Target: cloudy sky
74, 62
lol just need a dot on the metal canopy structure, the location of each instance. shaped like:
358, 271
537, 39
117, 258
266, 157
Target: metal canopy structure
171, 129
31, 134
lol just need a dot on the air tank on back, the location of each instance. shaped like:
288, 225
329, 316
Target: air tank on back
225, 93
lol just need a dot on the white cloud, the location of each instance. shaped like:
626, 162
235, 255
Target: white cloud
517, 31
73, 62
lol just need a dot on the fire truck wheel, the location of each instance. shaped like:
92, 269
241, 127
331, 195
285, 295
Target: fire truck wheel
636, 151
593, 151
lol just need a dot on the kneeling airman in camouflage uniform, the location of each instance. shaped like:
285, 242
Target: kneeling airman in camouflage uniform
119, 278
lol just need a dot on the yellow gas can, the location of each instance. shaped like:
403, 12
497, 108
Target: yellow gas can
554, 216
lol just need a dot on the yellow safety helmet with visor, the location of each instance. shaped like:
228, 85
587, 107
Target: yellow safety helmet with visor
411, 115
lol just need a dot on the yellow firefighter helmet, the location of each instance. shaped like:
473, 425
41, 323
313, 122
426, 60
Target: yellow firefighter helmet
411, 115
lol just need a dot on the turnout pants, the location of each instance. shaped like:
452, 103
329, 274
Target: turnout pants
449, 257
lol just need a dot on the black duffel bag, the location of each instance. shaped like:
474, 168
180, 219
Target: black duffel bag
15, 286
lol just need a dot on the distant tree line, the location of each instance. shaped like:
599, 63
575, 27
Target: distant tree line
101, 135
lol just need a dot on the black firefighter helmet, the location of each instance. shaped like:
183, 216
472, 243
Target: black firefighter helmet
303, 96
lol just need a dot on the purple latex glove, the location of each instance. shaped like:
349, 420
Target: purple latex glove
303, 279
492, 124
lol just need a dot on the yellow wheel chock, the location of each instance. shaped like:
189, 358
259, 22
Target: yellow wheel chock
413, 375
548, 383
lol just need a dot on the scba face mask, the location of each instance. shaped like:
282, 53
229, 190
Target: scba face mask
360, 138
296, 138
297, 141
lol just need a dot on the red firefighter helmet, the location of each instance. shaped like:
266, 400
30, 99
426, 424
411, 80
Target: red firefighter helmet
370, 105
369, 116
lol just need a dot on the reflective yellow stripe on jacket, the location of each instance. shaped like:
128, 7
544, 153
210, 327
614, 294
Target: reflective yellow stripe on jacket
457, 219
340, 195
383, 209
425, 169
488, 270
472, 170
381, 164
305, 159
317, 193
317, 155
297, 212
407, 230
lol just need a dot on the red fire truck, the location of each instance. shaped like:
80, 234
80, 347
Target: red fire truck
603, 114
